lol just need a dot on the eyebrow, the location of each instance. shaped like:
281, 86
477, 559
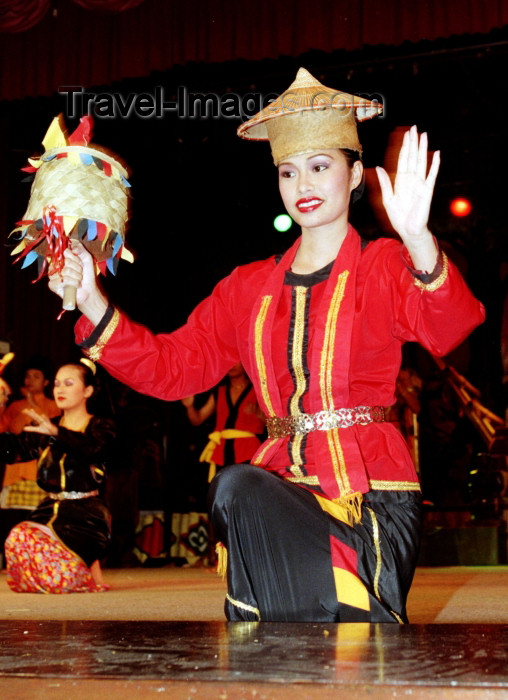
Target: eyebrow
320, 155
314, 155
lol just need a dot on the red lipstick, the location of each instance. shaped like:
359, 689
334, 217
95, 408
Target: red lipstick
307, 204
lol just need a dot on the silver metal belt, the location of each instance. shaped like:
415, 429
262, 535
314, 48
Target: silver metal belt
72, 495
303, 423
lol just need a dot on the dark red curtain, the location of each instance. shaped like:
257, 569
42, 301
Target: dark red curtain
18, 16
108, 5
71, 45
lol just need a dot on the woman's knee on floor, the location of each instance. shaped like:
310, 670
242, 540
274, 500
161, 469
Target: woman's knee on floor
239, 483
236, 482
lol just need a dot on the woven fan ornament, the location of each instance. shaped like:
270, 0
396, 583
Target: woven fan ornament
79, 192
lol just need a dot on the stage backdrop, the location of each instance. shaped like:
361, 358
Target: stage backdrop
48, 43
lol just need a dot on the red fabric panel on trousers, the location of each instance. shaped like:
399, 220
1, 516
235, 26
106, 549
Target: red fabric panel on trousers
343, 556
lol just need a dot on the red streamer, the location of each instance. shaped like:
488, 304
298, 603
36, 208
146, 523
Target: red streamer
56, 244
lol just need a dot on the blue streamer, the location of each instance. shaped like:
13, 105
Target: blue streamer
112, 265
92, 230
29, 258
117, 244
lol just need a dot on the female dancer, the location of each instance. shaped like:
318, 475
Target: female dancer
324, 524
57, 549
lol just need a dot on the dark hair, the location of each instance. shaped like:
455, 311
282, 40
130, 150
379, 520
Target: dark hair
351, 158
41, 363
87, 375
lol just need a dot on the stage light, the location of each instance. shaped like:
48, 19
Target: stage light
282, 223
460, 206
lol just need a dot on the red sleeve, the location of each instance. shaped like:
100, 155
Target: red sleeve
438, 315
187, 361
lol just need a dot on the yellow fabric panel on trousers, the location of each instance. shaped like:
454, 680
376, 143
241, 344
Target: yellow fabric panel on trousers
350, 590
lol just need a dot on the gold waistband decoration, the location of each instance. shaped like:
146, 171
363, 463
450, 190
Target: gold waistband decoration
72, 495
303, 423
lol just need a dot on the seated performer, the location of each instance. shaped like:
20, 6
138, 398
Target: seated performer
20, 493
58, 547
324, 524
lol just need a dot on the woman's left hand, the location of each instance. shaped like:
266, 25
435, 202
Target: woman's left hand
408, 202
40, 423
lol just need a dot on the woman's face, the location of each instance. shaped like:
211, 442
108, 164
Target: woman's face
69, 389
316, 187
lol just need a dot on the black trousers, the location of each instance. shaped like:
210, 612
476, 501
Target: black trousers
282, 549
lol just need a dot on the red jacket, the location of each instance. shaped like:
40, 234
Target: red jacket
355, 325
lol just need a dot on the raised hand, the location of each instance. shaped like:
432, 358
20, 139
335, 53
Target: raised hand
73, 273
79, 272
407, 203
40, 423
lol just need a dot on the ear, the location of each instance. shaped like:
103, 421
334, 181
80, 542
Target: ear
88, 392
356, 174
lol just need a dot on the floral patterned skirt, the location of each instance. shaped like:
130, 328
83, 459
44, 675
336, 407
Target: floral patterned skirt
37, 562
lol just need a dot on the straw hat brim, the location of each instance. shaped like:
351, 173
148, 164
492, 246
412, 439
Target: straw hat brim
312, 96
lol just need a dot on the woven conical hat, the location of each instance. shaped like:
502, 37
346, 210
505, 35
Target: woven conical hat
336, 113
304, 93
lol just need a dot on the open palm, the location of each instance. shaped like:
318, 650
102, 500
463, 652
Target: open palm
407, 203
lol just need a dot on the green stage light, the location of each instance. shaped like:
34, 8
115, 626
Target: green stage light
282, 223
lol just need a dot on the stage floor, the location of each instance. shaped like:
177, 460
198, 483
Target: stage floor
162, 632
